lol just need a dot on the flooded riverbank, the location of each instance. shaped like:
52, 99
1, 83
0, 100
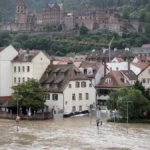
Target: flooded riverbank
73, 134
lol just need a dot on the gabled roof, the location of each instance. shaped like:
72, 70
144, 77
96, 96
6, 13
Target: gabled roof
140, 65
119, 59
60, 5
129, 74
104, 53
94, 65
116, 80
28, 56
64, 74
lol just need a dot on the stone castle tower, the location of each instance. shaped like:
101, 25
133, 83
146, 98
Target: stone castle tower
21, 12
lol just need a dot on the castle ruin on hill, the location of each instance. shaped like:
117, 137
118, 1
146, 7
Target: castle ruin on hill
93, 18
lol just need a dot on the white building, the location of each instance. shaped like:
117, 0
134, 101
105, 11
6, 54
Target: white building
144, 77
93, 71
67, 89
7, 54
29, 64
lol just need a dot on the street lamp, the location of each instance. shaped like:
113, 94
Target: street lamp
18, 118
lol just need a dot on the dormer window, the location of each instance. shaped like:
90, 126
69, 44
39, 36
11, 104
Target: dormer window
107, 80
55, 85
47, 86
62, 74
54, 74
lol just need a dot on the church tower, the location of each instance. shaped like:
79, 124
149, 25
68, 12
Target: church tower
21, 12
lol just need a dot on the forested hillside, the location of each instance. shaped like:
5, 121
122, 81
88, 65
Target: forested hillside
134, 9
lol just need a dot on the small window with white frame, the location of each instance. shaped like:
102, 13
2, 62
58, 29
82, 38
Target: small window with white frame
80, 108
108, 80
55, 97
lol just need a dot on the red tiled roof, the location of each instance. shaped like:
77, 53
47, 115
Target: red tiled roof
119, 59
140, 65
145, 46
4, 99
116, 78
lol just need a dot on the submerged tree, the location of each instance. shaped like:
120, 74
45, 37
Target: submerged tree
29, 94
137, 103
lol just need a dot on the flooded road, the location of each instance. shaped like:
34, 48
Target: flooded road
72, 134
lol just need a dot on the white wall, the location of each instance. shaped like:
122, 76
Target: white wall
58, 104
99, 75
120, 66
135, 69
6, 71
37, 68
84, 103
40, 63
145, 75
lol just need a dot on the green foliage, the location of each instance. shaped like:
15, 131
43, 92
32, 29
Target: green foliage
145, 92
60, 27
29, 94
48, 27
137, 103
84, 30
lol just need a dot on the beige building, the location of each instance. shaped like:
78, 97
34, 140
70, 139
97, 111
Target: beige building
144, 77
29, 64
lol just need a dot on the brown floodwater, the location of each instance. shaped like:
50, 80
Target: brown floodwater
73, 134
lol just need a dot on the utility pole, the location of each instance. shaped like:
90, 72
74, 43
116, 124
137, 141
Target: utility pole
110, 49
127, 116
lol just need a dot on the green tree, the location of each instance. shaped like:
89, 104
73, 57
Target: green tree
84, 30
60, 27
138, 104
138, 85
29, 94
48, 27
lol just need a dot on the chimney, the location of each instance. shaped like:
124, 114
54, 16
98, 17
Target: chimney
105, 69
51, 62
27, 51
128, 65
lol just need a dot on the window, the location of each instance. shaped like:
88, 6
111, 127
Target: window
23, 79
87, 96
83, 84
55, 97
143, 80
117, 68
15, 80
66, 102
18, 69
62, 74
80, 96
149, 71
18, 80
14, 69
28, 68
73, 109
148, 80
73, 97
47, 96
69, 85
23, 69
80, 108
108, 80
77, 84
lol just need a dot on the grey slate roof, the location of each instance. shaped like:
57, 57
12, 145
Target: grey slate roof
129, 74
70, 73
105, 53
